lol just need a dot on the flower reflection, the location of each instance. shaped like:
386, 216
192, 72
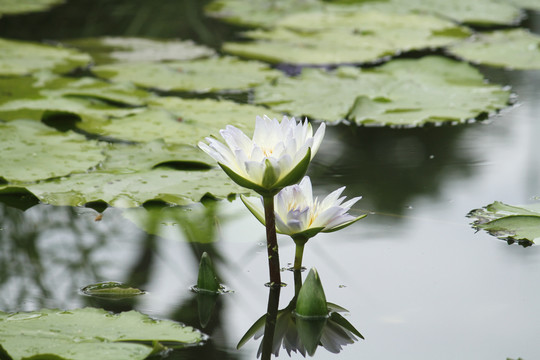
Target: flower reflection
336, 331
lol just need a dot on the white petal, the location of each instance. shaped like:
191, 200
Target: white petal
307, 191
330, 199
317, 139
254, 171
327, 216
339, 220
348, 204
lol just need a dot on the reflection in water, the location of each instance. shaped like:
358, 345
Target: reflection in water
297, 333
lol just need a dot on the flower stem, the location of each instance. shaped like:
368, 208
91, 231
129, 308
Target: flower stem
271, 241
275, 277
298, 255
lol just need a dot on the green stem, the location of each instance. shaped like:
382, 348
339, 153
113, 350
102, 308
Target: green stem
271, 241
275, 277
298, 255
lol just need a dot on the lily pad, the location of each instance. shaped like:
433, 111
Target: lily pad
203, 75
262, 13
130, 158
21, 7
402, 92
514, 49
479, 12
123, 190
526, 4
112, 290
128, 49
178, 121
256, 13
87, 333
346, 37
22, 58
519, 224
32, 151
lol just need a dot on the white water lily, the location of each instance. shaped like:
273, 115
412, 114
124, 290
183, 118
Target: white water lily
301, 216
278, 154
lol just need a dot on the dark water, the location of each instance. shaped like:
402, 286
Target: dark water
417, 279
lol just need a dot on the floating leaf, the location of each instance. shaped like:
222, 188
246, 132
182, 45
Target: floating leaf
32, 151
123, 190
526, 4
514, 49
87, 333
22, 58
203, 75
401, 92
263, 13
130, 158
113, 290
510, 223
257, 13
129, 49
346, 37
479, 12
178, 121
21, 7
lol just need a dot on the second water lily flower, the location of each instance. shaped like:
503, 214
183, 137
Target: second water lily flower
301, 216
278, 155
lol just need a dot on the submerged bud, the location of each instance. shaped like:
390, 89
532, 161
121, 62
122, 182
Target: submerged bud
207, 279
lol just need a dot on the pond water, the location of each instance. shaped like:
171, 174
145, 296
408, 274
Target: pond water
418, 281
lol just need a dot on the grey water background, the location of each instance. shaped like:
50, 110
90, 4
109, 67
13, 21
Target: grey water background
419, 282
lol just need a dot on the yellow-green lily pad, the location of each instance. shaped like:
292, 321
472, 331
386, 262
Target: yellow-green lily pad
514, 49
123, 190
345, 37
202, 75
111, 49
23, 58
32, 151
178, 121
88, 333
406, 92
519, 224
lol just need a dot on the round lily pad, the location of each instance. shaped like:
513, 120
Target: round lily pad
202, 75
346, 37
21, 7
129, 49
514, 49
178, 121
32, 151
406, 92
22, 58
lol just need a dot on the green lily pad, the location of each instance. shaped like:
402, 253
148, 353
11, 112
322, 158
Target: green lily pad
479, 12
511, 223
401, 92
22, 58
130, 158
32, 151
526, 4
112, 290
514, 49
21, 7
87, 333
128, 49
263, 13
203, 75
346, 37
256, 13
178, 121
123, 190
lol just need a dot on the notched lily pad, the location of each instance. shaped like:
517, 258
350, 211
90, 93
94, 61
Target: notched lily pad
130, 49
514, 49
345, 37
23, 58
32, 151
201, 76
403, 92
519, 224
88, 333
112, 290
